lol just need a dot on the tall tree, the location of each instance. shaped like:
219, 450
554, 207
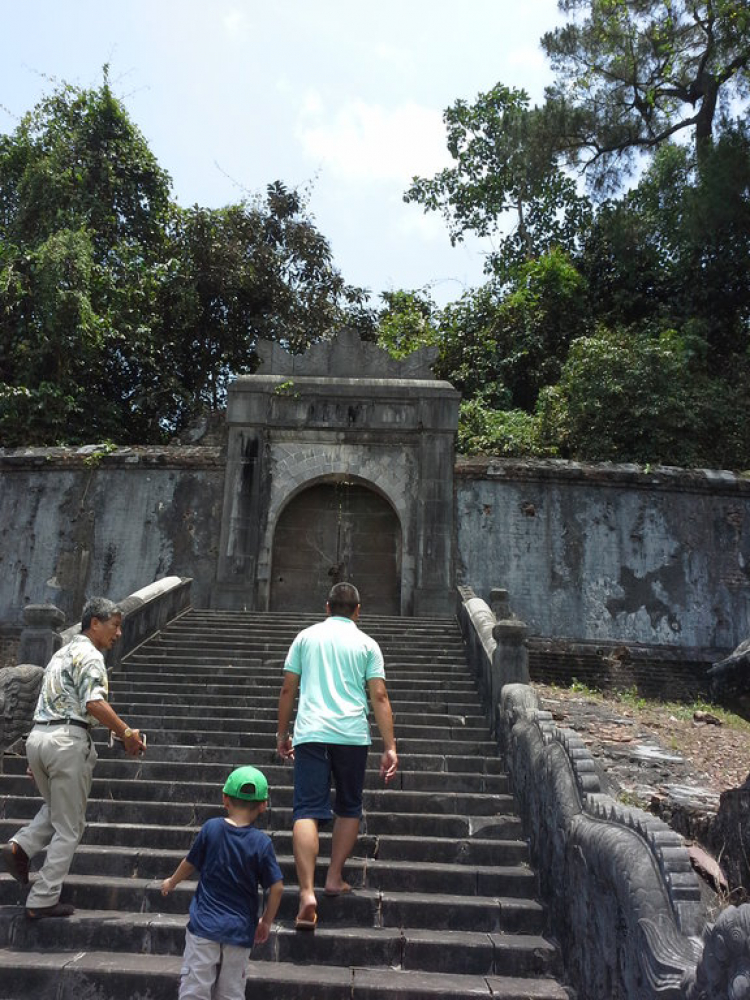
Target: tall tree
502, 345
673, 252
83, 205
505, 182
121, 314
631, 74
255, 270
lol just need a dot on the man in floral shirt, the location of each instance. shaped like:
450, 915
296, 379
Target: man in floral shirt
61, 756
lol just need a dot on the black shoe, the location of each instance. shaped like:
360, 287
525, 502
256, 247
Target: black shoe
17, 862
58, 910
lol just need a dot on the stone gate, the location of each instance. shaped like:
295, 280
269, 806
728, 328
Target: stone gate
339, 467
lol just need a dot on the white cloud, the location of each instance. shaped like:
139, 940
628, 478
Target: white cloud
235, 21
363, 141
395, 57
312, 104
528, 68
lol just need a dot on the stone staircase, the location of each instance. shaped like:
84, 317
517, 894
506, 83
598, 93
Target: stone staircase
445, 900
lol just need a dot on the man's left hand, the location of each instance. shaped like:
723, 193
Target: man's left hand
388, 765
284, 747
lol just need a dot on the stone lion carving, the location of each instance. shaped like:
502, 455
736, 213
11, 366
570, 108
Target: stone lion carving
19, 690
723, 972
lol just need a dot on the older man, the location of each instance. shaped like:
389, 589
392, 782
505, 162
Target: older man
61, 755
334, 666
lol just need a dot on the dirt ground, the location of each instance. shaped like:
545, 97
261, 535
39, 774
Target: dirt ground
650, 749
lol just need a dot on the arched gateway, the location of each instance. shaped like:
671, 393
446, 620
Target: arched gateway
339, 467
335, 531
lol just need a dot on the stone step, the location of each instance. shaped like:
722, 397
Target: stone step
126, 812
185, 759
239, 678
498, 845
236, 668
264, 720
266, 638
374, 906
253, 745
512, 881
261, 713
250, 688
65, 975
254, 730
209, 777
263, 755
163, 691
332, 944
403, 628
180, 834
147, 862
411, 628
258, 699
148, 791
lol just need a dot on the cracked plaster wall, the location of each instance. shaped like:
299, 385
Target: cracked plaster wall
599, 553
610, 554
71, 526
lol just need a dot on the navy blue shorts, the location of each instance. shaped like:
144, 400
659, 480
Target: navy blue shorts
314, 766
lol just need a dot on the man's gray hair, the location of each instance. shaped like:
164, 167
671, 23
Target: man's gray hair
98, 607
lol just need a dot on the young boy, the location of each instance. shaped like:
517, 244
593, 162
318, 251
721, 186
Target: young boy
233, 859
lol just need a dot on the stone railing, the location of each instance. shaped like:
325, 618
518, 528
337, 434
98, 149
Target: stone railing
623, 900
144, 613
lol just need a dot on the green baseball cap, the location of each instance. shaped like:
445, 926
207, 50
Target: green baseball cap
247, 783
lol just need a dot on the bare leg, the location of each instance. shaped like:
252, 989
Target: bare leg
345, 833
306, 846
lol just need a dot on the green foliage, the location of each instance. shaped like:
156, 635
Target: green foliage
122, 315
511, 433
504, 165
77, 156
545, 309
630, 75
630, 397
255, 270
93, 460
406, 322
469, 349
673, 252
503, 345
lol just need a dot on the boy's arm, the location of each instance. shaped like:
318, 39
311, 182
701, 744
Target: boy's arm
184, 870
271, 908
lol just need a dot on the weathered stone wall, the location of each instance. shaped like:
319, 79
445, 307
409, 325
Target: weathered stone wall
79, 522
599, 553
609, 552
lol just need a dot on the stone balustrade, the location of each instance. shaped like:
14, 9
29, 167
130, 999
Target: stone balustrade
623, 900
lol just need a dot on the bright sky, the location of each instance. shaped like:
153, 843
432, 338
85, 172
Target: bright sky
338, 97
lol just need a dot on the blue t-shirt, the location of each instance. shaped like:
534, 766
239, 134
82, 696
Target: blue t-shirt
334, 661
233, 862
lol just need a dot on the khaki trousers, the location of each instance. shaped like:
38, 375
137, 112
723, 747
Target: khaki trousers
62, 761
212, 971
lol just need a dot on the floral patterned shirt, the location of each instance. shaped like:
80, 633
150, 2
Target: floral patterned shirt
75, 675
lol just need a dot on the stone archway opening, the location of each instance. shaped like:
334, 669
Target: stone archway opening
332, 532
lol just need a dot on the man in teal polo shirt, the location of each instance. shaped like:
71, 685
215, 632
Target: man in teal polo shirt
334, 666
